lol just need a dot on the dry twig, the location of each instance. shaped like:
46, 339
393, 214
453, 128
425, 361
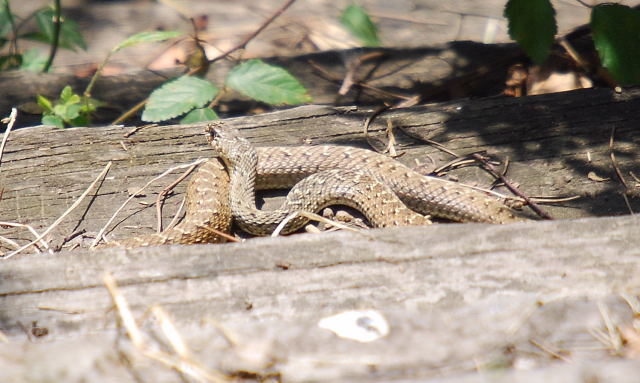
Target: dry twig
12, 120
69, 210
165, 191
104, 228
511, 187
255, 33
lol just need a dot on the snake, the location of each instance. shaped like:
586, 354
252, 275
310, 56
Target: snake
385, 191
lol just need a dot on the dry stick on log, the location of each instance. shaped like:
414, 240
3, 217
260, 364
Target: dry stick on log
367, 123
327, 75
69, 210
68, 238
165, 191
352, 67
614, 162
104, 228
510, 186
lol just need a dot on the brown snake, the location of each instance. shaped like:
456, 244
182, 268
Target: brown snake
375, 184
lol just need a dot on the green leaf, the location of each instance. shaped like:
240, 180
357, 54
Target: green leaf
532, 23
357, 21
177, 97
71, 112
89, 105
53, 120
199, 115
81, 120
5, 19
145, 37
267, 83
66, 94
45, 104
33, 60
616, 35
70, 37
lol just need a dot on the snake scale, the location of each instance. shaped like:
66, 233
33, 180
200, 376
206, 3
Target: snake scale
387, 192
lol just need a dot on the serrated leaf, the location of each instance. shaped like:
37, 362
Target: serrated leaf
177, 97
357, 21
532, 23
200, 115
267, 83
70, 36
45, 104
146, 37
53, 120
33, 60
616, 35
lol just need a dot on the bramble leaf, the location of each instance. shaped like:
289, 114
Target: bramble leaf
177, 97
616, 35
200, 115
532, 24
267, 83
357, 21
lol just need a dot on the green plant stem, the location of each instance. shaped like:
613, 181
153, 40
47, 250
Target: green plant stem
94, 78
57, 11
14, 28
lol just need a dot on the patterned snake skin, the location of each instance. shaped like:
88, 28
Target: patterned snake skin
378, 186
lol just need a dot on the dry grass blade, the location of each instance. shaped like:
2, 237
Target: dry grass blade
69, 210
12, 120
313, 217
106, 225
28, 227
165, 191
182, 363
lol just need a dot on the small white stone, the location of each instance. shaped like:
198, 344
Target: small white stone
359, 325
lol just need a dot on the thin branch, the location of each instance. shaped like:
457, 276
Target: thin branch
165, 191
104, 228
510, 186
255, 33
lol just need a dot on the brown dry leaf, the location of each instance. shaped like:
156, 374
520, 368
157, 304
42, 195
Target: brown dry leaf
594, 177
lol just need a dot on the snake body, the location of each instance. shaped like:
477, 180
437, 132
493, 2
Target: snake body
378, 186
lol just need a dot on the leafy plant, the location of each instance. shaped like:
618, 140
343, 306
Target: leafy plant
70, 109
254, 78
74, 109
67, 37
615, 29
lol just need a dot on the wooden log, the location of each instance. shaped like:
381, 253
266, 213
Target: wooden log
458, 299
558, 145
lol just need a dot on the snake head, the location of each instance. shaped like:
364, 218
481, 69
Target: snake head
229, 145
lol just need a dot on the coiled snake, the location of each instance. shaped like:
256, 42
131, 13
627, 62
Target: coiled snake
387, 192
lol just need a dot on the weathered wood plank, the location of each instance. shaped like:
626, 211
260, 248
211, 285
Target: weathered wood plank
472, 295
553, 142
